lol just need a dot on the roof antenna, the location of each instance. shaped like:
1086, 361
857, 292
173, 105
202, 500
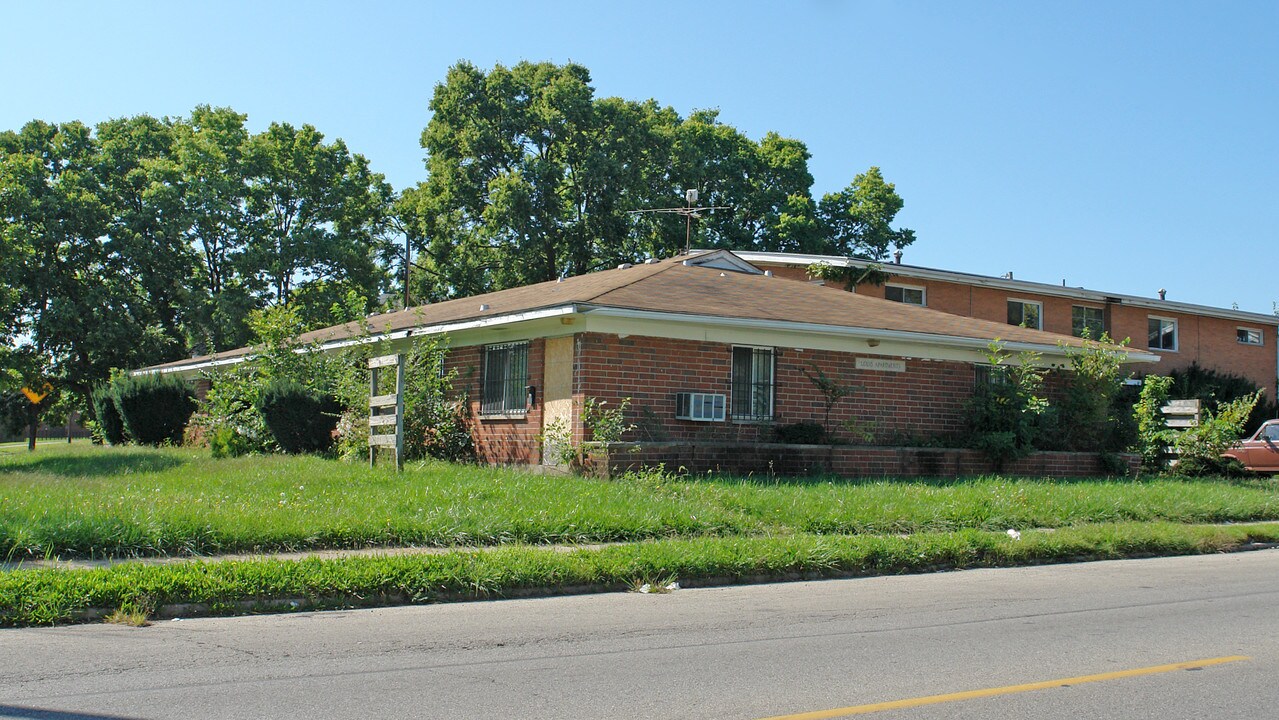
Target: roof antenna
689, 212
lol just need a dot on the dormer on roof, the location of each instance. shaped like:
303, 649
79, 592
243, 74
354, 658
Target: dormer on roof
723, 260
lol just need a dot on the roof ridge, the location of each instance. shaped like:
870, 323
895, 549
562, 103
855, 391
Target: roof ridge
659, 268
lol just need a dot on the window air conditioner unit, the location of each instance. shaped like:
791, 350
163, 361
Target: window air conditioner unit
701, 407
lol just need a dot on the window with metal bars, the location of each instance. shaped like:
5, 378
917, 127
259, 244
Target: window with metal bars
505, 389
752, 384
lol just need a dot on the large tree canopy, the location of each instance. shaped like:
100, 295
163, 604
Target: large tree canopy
144, 239
531, 177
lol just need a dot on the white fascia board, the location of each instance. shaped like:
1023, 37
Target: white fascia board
441, 328
1014, 285
893, 342
455, 327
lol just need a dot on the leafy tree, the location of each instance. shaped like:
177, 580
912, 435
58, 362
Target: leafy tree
315, 210
146, 244
209, 151
53, 220
858, 219
531, 177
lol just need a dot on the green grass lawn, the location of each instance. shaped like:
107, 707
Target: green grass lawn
134, 592
83, 501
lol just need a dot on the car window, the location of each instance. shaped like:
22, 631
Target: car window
1270, 432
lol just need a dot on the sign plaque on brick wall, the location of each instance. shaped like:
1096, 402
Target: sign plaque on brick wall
881, 364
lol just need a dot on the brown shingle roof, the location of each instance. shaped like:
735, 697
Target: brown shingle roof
670, 286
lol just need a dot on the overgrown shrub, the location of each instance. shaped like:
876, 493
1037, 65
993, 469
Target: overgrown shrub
1092, 415
1152, 430
1212, 388
109, 424
229, 413
1199, 448
224, 442
599, 424
436, 420
300, 419
155, 408
1004, 412
802, 433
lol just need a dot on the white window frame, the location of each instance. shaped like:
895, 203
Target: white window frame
923, 294
1089, 307
735, 413
1176, 333
1024, 303
1261, 337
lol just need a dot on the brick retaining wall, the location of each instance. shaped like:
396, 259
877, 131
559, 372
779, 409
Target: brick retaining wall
850, 461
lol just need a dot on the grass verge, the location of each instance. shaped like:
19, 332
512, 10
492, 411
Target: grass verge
45, 597
135, 502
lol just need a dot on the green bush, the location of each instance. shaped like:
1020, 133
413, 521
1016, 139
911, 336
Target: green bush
1200, 447
154, 409
225, 442
1214, 388
1094, 415
1153, 434
301, 420
229, 414
1006, 413
108, 416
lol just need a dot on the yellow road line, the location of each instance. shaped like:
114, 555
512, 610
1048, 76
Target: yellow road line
1007, 690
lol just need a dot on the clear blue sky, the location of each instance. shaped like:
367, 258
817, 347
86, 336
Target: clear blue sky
1119, 146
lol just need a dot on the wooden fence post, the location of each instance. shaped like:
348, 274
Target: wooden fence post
379, 419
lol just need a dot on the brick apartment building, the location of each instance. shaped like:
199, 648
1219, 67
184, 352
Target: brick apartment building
1241, 343
709, 349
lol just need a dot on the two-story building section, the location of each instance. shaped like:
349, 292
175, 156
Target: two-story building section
1233, 341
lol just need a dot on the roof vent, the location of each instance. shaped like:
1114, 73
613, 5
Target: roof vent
484, 307
897, 256
1008, 275
687, 263
625, 266
559, 280
723, 274
768, 273
1163, 294
652, 261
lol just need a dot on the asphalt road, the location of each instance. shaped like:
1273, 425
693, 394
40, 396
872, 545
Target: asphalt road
1096, 638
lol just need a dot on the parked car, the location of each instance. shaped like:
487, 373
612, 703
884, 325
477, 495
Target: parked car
1259, 453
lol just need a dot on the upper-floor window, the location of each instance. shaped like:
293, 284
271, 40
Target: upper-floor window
904, 294
505, 390
1086, 319
752, 384
1026, 314
1161, 333
1249, 336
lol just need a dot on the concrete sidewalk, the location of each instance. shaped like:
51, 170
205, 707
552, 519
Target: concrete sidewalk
80, 564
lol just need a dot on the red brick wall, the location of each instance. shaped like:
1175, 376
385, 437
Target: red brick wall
502, 441
847, 461
924, 403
